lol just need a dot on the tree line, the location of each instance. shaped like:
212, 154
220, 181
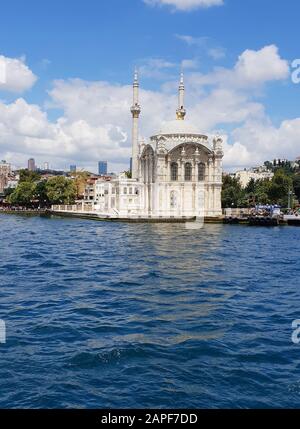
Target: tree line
35, 191
286, 181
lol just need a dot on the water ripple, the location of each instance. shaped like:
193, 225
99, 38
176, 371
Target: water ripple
132, 315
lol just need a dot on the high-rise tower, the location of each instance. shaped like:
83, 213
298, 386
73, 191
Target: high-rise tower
135, 110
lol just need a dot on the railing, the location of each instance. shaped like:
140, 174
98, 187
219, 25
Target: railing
72, 208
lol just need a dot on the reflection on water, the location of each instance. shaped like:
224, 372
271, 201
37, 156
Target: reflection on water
147, 315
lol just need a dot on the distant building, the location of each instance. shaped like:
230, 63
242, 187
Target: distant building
89, 191
12, 182
73, 168
3, 182
257, 173
111, 176
46, 166
8, 179
31, 164
5, 168
102, 168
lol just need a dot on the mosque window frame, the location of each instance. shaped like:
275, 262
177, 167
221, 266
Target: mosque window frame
188, 172
201, 171
174, 172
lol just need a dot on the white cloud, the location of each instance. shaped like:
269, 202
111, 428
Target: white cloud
191, 40
189, 64
216, 53
252, 70
26, 131
15, 76
261, 66
155, 68
95, 124
222, 106
185, 5
101, 103
263, 141
203, 44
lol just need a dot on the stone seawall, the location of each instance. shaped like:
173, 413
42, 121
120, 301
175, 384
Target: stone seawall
133, 219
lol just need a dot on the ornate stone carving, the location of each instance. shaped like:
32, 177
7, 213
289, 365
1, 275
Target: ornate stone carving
170, 139
161, 145
218, 146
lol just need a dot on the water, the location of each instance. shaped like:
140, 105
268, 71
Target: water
147, 315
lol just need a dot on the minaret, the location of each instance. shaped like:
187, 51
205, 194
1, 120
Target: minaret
181, 112
135, 110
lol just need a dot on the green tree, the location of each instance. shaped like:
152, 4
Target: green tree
8, 192
296, 184
61, 190
29, 176
23, 195
261, 195
281, 184
251, 187
269, 165
81, 178
232, 192
41, 194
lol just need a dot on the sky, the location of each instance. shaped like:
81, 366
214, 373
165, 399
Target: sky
66, 71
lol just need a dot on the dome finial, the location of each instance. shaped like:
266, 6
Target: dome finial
182, 78
136, 76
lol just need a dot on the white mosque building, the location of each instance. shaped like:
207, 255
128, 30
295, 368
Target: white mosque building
176, 174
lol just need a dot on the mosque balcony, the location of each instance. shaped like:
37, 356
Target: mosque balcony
135, 110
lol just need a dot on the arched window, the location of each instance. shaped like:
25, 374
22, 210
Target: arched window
174, 171
188, 172
201, 172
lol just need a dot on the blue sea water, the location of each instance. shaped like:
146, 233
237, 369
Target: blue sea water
111, 315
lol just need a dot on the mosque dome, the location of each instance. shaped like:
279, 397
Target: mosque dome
178, 127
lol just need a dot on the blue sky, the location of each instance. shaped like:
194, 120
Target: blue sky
99, 41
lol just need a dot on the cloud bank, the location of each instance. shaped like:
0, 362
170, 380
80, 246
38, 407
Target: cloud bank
94, 121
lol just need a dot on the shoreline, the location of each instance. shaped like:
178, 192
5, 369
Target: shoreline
36, 212
100, 218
